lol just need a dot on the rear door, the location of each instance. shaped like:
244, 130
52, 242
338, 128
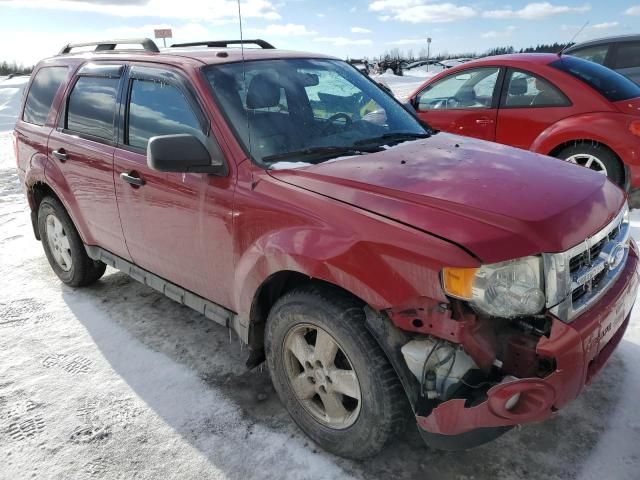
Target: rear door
529, 104
465, 103
177, 225
82, 147
626, 60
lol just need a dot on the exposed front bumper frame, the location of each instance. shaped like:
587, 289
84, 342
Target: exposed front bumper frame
580, 350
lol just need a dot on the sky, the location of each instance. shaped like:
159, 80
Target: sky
34, 29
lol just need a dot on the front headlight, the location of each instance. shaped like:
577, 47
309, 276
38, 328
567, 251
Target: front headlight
506, 289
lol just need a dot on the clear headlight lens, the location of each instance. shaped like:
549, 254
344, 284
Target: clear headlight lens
506, 289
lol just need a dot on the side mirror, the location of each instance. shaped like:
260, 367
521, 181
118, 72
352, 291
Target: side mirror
183, 153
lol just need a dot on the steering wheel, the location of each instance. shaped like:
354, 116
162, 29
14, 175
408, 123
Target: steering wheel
331, 121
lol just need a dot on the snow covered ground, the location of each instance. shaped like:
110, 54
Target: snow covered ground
402, 86
116, 381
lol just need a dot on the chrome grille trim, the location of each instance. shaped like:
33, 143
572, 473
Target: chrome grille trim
561, 283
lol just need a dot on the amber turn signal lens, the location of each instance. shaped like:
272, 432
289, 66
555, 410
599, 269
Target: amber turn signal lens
634, 128
458, 282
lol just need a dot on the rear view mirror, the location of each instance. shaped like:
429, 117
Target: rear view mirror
463, 77
182, 153
309, 79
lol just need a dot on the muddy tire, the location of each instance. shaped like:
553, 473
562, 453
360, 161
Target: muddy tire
331, 375
63, 246
595, 157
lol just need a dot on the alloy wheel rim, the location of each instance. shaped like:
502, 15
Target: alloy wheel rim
589, 161
59, 242
322, 376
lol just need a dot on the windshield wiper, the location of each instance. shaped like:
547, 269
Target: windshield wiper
392, 138
321, 152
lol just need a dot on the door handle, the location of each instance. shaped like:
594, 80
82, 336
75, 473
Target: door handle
133, 180
60, 154
484, 121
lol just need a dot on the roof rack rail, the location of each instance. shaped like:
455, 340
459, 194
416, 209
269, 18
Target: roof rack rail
108, 45
225, 43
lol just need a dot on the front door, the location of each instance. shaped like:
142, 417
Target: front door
463, 103
176, 225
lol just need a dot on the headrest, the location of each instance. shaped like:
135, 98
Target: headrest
263, 92
518, 86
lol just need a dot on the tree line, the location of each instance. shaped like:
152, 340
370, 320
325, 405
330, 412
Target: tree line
8, 68
397, 54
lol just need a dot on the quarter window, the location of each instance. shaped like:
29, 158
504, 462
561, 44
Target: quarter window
628, 55
158, 109
41, 94
528, 90
92, 107
470, 89
597, 54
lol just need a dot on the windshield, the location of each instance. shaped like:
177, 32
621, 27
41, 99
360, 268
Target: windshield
303, 108
613, 86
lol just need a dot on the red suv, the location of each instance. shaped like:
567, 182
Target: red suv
375, 265
561, 106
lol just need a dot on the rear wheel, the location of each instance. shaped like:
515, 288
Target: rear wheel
595, 157
63, 246
331, 375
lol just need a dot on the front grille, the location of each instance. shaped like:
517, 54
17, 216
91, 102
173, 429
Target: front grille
580, 291
575, 279
583, 259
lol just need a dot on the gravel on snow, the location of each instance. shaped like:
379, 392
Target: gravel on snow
116, 381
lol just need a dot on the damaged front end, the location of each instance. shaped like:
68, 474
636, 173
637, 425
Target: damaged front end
471, 376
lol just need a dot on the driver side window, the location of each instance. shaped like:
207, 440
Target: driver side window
470, 89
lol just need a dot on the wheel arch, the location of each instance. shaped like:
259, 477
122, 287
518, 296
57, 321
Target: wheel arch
588, 141
271, 290
36, 193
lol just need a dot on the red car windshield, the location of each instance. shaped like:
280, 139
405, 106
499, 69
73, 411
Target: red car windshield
613, 86
296, 109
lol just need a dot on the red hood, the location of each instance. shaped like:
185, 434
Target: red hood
496, 201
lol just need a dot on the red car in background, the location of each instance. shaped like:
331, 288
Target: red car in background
555, 105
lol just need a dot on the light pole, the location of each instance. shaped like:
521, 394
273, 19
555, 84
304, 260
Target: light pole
428, 51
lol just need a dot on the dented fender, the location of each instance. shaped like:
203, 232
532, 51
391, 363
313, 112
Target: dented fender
378, 260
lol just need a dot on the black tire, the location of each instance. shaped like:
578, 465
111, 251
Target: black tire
83, 270
615, 170
383, 407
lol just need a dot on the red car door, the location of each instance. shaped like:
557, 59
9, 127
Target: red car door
529, 105
177, 225
82, 149
464, 103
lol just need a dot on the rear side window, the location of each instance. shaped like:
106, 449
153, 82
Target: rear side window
92, 107
597, 54
528, 90
628, 55
613, 86
158, 109
43, 89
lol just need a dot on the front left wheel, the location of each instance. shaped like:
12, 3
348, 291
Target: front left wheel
63, 246
331, 375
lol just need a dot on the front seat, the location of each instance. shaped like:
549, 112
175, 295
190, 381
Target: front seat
271, 131
517, 94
